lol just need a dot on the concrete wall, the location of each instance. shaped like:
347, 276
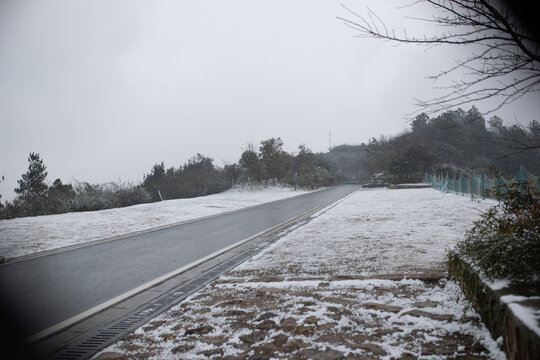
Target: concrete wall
519, 341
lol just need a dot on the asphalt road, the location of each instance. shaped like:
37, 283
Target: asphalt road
44, 291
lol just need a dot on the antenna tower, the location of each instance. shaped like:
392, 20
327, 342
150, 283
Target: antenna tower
329, 141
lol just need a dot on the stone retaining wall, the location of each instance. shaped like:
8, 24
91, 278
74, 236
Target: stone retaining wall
519, 341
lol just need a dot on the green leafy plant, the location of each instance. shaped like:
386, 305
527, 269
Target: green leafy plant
505, 243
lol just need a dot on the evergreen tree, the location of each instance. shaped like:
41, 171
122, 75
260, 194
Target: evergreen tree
155, 181
273, 158
232, 173
252, 165
304, 167
32, 183
32, 189
250, 162
60, 197
420, 122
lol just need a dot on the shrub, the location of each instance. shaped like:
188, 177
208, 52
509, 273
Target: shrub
505, 243
92, 197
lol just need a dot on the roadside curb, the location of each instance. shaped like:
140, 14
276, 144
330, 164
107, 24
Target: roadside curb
519, 340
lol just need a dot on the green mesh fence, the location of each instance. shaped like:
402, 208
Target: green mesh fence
478, 185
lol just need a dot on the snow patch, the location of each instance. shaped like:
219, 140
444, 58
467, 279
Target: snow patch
498, 284
527, 315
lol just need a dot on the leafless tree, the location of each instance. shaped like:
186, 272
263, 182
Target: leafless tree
504, 58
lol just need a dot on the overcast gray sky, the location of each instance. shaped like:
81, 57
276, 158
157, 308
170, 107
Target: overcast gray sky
104, 89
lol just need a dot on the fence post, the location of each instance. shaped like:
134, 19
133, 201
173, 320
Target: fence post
498, 186
493, 186
483, 184
525, 174
519, 177
478, 185
473, 185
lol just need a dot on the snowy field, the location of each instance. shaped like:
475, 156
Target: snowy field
375, 232
365, 279
29, 235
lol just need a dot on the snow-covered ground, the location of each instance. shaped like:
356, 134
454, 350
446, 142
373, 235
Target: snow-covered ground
364, 279
376, 232
29, 235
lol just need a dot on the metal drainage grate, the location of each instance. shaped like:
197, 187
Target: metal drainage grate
98, 339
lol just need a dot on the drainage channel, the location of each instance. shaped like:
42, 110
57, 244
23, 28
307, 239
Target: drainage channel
89, 336
98, 339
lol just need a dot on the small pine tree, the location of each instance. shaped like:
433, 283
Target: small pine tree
32, 189
32, 183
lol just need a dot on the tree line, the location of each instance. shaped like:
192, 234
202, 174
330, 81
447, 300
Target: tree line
454, 142
199, 176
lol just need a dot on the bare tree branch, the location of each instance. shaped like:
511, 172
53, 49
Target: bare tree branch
504, 62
